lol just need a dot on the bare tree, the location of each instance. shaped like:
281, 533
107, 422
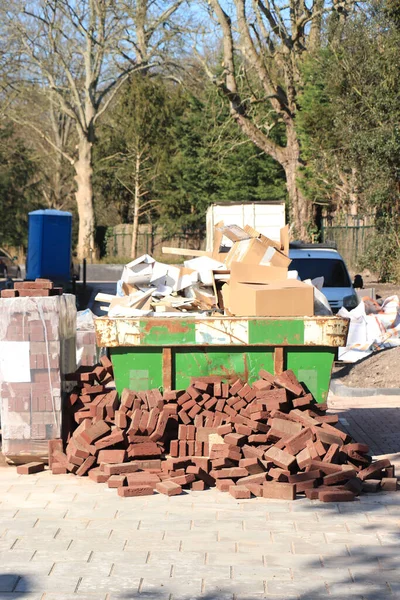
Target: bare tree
264, 42
81, 52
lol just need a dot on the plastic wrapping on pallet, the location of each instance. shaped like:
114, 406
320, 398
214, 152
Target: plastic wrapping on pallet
37, 346
87, 351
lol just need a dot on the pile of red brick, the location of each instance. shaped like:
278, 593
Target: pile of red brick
269, 439
39, 287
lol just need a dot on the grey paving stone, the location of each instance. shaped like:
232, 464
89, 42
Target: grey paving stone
49, 583
183, 587
263, 572
308, 587
21, 596
8, 582
91, 584
215, 558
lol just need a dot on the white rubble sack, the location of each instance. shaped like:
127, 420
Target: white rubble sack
371, 332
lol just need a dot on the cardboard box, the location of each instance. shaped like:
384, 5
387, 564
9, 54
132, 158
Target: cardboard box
290, 298
243, 273
275, 258
251, 251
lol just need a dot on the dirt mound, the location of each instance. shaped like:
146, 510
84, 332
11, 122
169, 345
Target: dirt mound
380, 370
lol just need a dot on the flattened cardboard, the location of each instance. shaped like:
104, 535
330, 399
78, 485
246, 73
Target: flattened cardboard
284, 235
234, 233
288, 298
218, 235
243, 273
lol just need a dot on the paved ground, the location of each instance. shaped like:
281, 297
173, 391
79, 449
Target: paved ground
63, 537
373, 420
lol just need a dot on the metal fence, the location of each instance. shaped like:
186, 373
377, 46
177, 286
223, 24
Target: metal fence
352, 235
150, 241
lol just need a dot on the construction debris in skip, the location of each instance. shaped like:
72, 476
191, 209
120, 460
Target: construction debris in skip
251, 279
268, 439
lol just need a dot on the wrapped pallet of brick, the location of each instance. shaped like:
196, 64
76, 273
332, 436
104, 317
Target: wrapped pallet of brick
37, 346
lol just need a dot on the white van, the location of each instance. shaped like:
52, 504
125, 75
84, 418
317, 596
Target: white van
320, 260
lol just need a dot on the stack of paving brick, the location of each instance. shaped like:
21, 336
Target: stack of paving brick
269, 439
37, 346
32, 289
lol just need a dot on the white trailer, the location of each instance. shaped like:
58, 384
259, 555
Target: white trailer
265, 217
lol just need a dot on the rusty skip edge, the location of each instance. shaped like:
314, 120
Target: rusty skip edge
120, 332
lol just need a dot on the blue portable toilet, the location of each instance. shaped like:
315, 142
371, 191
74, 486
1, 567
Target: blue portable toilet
49, 245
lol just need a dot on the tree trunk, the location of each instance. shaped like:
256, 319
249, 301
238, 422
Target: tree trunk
300, 208
136, 206
84, 198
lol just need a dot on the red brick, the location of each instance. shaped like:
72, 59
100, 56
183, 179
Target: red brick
256, 438
116, 437
169, 488
182, 448
336, 496
184, 479
76, 449
95, 432
240, 492
111, 456
75, 460
174, 448
298, 441
339, 477
303, 401
230, 473
235, 439
58, 469
198, 486
98, 476
121, 420
182, 432
257, 478
220, 405
148, 449
252, 465
371, 485
132, 491
60, 457
280, 458
307, 476
120, 468
161, 426
116, 481
9, 293
52, 446
267, 376
327, 438
288, 380
144, 419
374, 469
88, 463
223, 485
143, 478
355, 485
332, 456
279, 490
200, 461
255, 488
30, 468
389, 484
